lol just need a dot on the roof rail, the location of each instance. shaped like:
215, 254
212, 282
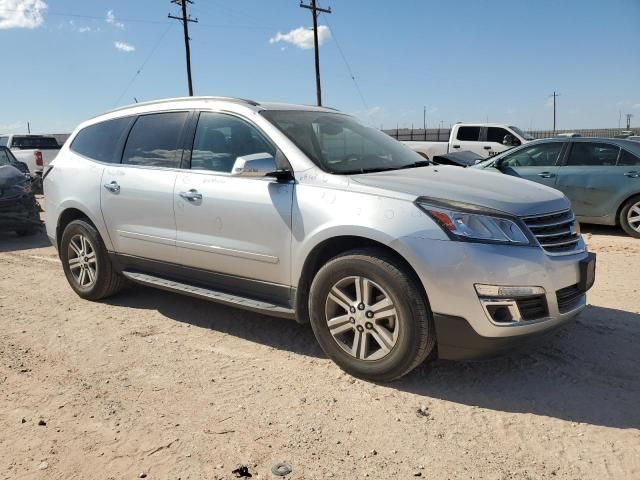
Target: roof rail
169, 100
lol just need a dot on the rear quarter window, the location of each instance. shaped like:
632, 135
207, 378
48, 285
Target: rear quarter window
102, 141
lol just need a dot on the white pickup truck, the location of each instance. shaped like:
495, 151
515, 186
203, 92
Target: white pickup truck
485, 139
37, 151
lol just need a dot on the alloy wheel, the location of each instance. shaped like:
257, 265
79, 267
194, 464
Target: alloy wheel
81, 256
362, 318
633, 217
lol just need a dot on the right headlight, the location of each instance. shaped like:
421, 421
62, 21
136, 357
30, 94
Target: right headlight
470, 223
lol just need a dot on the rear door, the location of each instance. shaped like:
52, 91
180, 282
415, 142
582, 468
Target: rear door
593, 180
137, 194
538, 163
493, 141
236, 226
467, 138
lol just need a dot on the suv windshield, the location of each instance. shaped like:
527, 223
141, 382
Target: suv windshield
28, 142
524, 135
338, 144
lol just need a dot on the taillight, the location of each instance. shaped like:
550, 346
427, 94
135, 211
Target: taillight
38, 155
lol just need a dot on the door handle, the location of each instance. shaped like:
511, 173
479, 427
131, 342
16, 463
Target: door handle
546, 175
632, 174
487, 147
456, 146
113, 187
192, 195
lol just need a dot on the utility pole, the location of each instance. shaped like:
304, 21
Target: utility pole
424, 118
185, 19
314, 12
554, 110
629, 115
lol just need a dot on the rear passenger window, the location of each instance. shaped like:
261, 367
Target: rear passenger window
220, 139
593, 154
100, 141
471, 134
3, 141
628, 159
154, 140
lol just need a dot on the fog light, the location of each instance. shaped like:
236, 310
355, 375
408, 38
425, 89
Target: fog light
498, 291
501, 311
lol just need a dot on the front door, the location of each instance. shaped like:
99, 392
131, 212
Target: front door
538, 163
494, 141
137, 195
239, 227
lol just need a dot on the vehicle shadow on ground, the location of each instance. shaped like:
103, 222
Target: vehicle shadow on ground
602, 230
10, 242
279, 333
587, 373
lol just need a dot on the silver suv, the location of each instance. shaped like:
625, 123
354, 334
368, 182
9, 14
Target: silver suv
302, 212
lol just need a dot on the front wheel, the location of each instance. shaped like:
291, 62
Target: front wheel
370, 316
630, 216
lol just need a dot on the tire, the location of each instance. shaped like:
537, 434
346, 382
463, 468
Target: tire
629, 211
105, 280
409, 335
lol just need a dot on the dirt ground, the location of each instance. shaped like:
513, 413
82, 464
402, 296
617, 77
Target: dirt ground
151, 383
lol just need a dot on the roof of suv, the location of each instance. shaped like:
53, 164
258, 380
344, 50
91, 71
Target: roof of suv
251, 104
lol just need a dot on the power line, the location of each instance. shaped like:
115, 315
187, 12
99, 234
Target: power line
314, 13
344, 59
185, 24
153, 50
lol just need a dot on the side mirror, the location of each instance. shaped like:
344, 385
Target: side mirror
254, 165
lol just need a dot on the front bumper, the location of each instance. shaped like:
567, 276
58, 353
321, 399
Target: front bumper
449, 271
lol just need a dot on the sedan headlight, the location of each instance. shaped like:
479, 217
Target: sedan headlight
471, 223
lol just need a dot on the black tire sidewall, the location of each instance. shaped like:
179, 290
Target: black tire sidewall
402, 291
623, 217
86, 229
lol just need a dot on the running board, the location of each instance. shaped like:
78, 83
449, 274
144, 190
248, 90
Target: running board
258, 306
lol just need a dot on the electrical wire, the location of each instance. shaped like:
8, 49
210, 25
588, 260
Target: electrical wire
153, 50
344, 59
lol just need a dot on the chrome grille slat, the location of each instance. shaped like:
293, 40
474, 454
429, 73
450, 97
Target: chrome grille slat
554, 231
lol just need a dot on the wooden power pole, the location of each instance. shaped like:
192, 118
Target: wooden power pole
314, 11
185, 19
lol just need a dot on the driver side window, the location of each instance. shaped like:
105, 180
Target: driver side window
220, 139
542, 155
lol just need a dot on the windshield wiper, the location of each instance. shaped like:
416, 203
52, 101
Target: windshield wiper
421, 163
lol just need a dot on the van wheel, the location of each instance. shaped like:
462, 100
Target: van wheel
370, 316
630, 216
86, 264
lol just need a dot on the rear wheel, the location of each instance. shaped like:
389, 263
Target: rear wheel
370, 316
630, 216
86, 263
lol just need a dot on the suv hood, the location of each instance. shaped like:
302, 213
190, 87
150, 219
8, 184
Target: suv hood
492, 190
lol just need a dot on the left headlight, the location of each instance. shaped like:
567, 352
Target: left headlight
469, 223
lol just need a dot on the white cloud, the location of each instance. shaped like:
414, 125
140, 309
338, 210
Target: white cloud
111, 20
84, 29
21, 13
124, 47
302, 37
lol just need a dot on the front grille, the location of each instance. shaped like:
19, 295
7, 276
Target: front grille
568, 298
533, 308
556, 232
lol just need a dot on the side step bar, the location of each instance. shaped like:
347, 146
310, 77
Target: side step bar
258, 306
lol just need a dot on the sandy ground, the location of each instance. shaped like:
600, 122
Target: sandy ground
172, 387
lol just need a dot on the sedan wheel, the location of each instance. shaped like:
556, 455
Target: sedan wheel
633, 217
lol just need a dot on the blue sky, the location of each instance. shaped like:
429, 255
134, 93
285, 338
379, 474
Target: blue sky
465, 60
